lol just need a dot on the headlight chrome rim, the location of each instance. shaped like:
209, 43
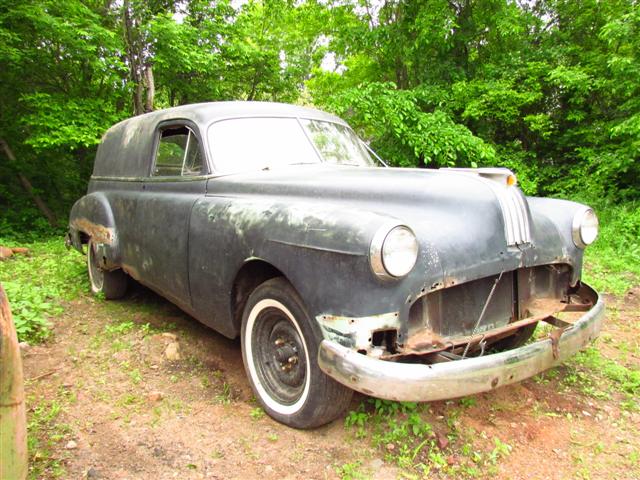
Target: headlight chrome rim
579, 224
376, 255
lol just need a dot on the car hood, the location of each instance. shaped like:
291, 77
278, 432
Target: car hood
382, 188
457, 216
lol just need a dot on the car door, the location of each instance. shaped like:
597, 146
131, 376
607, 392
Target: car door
177, 179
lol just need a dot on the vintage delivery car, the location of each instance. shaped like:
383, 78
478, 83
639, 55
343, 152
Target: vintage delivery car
274, 223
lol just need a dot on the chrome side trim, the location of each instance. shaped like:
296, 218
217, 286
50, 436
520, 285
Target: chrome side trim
193, 178
424, 383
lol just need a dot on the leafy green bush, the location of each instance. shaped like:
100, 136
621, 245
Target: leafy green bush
37, 284
612, 263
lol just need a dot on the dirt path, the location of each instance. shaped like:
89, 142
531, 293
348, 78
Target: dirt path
105, 402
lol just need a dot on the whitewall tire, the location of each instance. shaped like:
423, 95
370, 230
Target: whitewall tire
280, 349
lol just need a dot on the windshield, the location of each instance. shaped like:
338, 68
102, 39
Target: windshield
241, 144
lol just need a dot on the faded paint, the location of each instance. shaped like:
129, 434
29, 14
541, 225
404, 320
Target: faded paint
313, 223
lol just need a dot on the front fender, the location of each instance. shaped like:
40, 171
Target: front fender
323, 251
552, 224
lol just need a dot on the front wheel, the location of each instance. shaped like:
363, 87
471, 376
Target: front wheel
113, 284
280, 350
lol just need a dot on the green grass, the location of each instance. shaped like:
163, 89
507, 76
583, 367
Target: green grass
612, 263
600, 377
405, 434
257, 413
351, 471
37, 284
45, 433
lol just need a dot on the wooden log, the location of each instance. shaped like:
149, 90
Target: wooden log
13, 432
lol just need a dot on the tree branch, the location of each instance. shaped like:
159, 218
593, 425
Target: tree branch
26, 185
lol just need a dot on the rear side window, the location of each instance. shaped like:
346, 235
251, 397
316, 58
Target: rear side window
178, 153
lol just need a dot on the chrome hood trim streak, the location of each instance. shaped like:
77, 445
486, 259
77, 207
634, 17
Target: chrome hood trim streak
515, 212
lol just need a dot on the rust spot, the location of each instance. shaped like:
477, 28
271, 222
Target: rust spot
425, 338
99, 233
428, 342
555, 339
545, 306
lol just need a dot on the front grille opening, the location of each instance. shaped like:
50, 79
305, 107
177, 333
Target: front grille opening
453, 312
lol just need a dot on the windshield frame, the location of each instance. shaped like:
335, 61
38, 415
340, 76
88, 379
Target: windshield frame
321, 161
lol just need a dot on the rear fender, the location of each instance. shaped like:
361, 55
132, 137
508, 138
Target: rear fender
92, 218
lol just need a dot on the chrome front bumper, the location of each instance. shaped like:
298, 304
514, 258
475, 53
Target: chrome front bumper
439, 381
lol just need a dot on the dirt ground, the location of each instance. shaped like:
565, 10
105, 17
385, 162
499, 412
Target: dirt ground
105, 402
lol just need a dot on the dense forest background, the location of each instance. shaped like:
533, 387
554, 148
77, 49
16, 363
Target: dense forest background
548, 88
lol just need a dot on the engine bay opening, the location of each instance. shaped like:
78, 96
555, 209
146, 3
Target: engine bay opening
499, 312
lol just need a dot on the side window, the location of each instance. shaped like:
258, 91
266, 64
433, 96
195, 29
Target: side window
178, 153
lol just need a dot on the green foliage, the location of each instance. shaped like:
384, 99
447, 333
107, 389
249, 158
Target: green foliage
549, 89
613, 262
402, 433
552, 87
614, 376
351, 471
37, 284
407, 135
72, 69
45, 432
257, 413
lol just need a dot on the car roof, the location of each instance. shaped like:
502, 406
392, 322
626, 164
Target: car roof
126, 147
204, 114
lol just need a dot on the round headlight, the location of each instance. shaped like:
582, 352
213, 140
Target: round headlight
393, 252
585, 227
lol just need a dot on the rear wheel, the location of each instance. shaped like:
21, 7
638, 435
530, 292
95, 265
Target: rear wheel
113, 284
280, 350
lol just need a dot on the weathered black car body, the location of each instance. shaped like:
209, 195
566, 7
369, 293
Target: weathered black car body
307, 241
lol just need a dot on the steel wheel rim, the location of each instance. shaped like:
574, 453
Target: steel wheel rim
264, 390
279, 356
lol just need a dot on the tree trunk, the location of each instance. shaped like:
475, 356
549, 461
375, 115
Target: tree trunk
151, 88
13, 431
26, 184
133, 57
